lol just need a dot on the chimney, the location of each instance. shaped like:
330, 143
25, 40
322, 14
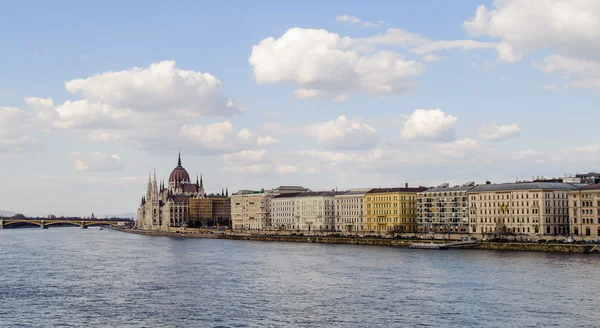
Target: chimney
406, 185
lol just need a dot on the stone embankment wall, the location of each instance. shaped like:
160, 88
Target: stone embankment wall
531, 247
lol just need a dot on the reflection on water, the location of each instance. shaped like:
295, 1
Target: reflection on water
93, 278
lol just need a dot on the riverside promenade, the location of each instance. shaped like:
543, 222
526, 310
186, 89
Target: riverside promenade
370, 241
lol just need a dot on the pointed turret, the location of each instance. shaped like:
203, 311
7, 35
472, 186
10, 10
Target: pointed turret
197, 183
226, 192
222, 192
149, 189
154, 188
201, 184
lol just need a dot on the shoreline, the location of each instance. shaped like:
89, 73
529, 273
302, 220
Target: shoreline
521, 247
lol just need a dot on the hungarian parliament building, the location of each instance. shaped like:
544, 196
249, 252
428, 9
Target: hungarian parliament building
181, 203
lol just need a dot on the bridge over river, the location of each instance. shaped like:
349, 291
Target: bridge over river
45, 223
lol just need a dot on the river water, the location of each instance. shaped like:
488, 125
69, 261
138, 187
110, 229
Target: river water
71, 277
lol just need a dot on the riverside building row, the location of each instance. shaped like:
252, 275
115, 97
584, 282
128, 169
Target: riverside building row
542, 208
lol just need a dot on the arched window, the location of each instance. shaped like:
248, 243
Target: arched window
588, 232
576, 231
548, 230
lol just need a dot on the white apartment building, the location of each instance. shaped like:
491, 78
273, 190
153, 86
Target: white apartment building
310, 211
251, 210
350, 210
315, 211
517, 208
283, 211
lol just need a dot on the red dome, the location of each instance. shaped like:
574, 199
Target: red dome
179, 174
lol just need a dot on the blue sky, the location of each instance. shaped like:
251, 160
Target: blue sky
344, 94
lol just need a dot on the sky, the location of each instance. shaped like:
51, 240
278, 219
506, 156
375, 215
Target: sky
257, 94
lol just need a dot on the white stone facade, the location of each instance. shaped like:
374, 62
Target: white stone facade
520, 208
166, 207
350, 210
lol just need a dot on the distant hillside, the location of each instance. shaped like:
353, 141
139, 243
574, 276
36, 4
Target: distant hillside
122, 215
6, 213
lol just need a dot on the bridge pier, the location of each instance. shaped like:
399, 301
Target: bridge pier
1, 223
83, 226
43, 224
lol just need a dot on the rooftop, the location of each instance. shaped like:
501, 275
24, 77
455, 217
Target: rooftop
446, 189
402, 189
524, 186
590, 187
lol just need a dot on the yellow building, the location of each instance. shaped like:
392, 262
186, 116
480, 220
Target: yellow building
392, 209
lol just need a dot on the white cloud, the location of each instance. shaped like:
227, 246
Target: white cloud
431, 124
465, 45
142, 107
321, 63
286, 169
493, 131
431, 58
265, 141
103, 136
310, 93
581, 73
14, 138
246, 156
159, 87
244, 134
345, 133
215, 138
249, 169
348, 19
353, 20
97, 162
569, 27
458, 148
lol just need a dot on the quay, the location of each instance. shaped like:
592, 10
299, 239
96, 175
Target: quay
369, 241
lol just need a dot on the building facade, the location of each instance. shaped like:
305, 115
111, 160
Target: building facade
315, 211
168, 206
350, 210
584, 206
520, 208
283, 211
392, 209
210, 211
250, 210
444, 209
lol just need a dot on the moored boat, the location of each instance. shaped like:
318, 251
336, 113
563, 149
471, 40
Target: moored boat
428, 246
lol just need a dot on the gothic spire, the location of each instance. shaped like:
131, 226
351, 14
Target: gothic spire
222, 192
227, 191
179, 159
197, 183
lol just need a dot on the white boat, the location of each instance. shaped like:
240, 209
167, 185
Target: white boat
429, 245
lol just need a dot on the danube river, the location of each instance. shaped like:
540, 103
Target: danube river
71, 277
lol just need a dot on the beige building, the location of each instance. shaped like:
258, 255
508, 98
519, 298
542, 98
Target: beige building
250, 210
520, 208
444, 209
584, 213
350, 210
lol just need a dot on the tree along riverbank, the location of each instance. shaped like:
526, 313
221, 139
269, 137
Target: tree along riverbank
530, 247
